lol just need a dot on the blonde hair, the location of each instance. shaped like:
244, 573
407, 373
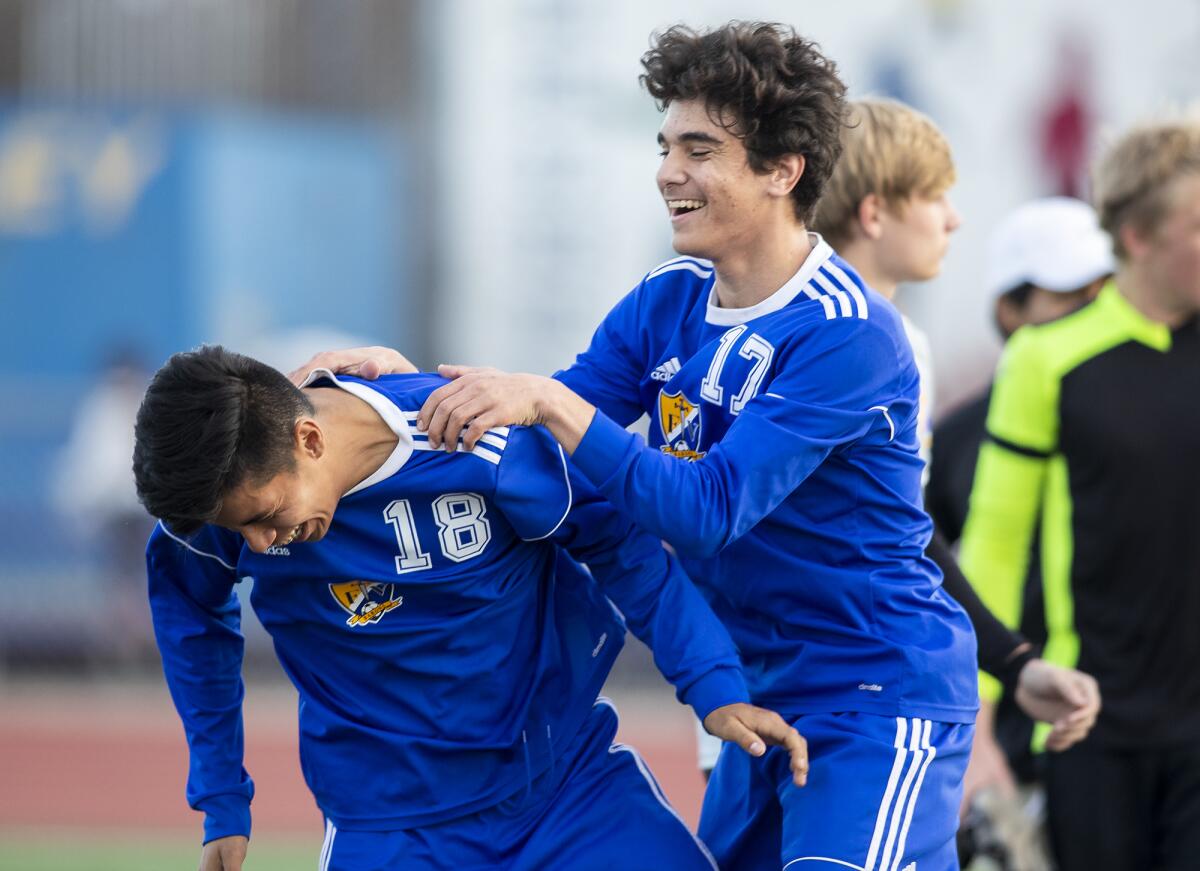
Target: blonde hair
890, 150
1131, 183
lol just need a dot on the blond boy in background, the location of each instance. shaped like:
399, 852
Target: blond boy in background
886, 210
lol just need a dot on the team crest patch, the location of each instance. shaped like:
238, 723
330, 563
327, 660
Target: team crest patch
366, 602
679, 420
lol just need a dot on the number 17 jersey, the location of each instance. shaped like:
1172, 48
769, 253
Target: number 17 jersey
782, 465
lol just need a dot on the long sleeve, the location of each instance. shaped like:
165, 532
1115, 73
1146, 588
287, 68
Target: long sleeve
1007, 492
607, 374
543, 497
997, 642
775, 442
197, 622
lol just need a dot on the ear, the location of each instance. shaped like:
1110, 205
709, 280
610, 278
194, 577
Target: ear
310, 440
786, 172
1008, 317
1133, 241
870, 211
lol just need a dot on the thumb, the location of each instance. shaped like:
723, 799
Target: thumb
453, 370
1074, 692
369, 370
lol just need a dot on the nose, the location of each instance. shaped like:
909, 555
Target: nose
953, 218
670, 171
258, 538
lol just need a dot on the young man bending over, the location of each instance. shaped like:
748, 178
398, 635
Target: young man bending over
446, 648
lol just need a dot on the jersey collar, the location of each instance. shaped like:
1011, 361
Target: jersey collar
731, 317
1153, 334
391, 415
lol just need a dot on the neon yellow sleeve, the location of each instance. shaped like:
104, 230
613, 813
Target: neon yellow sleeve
1009, 478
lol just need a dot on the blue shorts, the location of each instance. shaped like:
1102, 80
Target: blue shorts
599, 808
883, 793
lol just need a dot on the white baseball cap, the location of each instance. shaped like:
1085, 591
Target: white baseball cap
1055, 243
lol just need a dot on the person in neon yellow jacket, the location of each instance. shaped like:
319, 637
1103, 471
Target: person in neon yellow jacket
1092, 431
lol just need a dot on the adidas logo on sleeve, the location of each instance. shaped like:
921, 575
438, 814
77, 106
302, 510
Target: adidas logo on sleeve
666, 371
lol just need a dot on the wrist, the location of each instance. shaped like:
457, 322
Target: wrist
566, 414
548, 402
1010, 673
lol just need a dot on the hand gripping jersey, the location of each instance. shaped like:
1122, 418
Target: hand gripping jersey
445, 645
783, 467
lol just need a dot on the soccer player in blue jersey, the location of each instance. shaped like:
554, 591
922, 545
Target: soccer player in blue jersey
446, 646
782, 463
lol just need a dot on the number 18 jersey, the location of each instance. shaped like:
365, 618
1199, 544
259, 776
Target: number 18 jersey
444, 641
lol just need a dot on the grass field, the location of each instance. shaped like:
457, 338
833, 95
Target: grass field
55, 850
78, 851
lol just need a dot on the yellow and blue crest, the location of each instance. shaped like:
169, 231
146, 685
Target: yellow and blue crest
679, 421
365, 601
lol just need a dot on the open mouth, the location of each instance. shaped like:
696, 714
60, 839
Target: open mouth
296, 530
678, 208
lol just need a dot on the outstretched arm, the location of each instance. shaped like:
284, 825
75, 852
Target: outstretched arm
543, 497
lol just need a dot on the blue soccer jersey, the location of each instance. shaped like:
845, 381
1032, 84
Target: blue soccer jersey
798, 511
444, 641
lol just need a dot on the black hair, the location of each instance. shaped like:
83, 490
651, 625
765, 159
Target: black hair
1019, 295
783, 95
211, 420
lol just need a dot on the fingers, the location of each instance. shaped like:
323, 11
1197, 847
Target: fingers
345, 362
770, 728
1079, 690
1071, 689
453, 371
1061, 739
463, 404
737, 732
467, 422
797, 749
224, 854
368, 363
432, 417
297, 376
1071, 729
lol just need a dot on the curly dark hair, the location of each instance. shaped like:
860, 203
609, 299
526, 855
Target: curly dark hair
782, 95
211, 420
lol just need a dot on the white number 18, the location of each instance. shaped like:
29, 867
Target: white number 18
463, 530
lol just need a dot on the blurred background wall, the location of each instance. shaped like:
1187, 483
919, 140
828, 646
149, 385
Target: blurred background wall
469, 180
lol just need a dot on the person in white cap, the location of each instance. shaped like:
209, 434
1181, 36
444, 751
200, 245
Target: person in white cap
1047, 258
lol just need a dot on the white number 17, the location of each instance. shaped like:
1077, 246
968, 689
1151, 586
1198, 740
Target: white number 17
755, 348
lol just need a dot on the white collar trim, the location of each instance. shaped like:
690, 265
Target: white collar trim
391, 415
731, 317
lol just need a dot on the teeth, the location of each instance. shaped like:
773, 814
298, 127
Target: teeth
685, 204
291, 537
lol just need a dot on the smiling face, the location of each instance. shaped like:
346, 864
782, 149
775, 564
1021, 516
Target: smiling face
293, 506
716, 202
